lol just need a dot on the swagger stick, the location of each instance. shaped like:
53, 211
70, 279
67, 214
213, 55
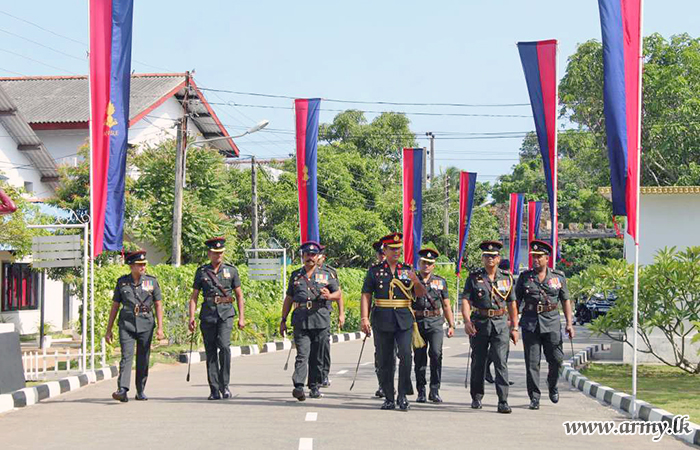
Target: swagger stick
189, 358
358, 363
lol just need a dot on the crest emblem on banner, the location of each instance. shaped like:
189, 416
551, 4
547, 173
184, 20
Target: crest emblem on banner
111, 122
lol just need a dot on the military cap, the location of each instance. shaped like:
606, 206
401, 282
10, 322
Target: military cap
137, 257
393, 240
428, 255
312, 247
216, 244
491, 247
538, 247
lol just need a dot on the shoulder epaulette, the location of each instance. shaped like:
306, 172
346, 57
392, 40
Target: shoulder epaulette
558, 272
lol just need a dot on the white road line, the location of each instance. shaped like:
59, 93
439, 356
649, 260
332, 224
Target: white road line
311, 416
340, 372
306, 444
445, 348
465, 343
365, 363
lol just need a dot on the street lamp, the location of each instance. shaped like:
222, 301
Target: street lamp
180, 165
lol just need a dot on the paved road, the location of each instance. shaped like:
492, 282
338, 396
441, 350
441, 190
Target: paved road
263, 415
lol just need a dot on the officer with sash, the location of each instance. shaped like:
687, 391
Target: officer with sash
138, 294
504, 265
487, 299
393, 285
218, 281
379, 256
539, 292
310, 289
429, 311
341, 319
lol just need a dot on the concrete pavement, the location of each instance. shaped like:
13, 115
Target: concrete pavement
263, 414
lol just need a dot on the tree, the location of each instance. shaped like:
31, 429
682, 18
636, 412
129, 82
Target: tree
13, 227
669, 302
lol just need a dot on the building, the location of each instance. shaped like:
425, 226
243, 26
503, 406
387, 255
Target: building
43, 123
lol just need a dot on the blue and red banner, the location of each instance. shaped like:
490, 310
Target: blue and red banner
412, 204
110, 77
621, 23
534, 215
517, 204
307, 115
467, 187
539, 60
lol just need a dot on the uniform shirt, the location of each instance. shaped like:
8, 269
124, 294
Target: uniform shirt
377, 283
551, 290
229, 280
302, 290
483, 293
130, 294
334, 273
437, 292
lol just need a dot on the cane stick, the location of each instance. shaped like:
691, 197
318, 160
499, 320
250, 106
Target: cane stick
286, 364
571, 341
469, 361
189, 359
358, 363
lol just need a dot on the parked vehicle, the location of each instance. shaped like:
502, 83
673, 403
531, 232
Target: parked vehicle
595, 306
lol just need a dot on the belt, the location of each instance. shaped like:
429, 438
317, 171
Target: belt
538, 308
141, 309
428, 313
311, 304
218, 300
392, 303
490, 312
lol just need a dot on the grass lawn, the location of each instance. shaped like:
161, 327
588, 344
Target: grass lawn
662, 386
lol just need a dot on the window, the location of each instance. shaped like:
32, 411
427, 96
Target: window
20, 287
29, 187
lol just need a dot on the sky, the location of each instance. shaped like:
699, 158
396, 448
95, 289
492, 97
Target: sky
393, 51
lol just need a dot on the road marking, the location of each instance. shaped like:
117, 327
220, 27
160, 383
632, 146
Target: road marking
311, 416
365, 363
340, 372
445, 348
306, 444
465, 343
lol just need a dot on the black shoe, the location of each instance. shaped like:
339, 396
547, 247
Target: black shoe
388, 404
434, 396
476, 403
326, 383
141, 396
511, 383
379, 393
215, 395
421, 395
503, 408
403, 403
226, 393
298, 393
488, 377
554, 395
534, 403
121, 395
315, 393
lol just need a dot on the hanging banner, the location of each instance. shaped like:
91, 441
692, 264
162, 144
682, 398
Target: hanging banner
539, 60
620, 21
467, 186
517, 203
307, 114
110, 78
534, 215
412, 204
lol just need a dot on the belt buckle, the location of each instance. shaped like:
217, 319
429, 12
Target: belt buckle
309, 304
137, 310
216, 299
491, 313
540, 309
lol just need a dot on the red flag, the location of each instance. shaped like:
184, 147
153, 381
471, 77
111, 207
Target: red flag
412, 204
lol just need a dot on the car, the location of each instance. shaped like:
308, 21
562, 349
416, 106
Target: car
597, 305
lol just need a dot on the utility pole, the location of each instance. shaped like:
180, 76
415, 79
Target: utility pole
446, 217
254, 182
180, 147
425, 172
432, 154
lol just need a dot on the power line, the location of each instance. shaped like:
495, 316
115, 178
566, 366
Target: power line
37, 61
363, 102
42, 45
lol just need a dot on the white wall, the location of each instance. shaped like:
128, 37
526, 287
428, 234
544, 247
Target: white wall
63, 145
18, 168
665, 221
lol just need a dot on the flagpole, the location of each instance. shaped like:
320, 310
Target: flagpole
555, 174
635, 320
92, 200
